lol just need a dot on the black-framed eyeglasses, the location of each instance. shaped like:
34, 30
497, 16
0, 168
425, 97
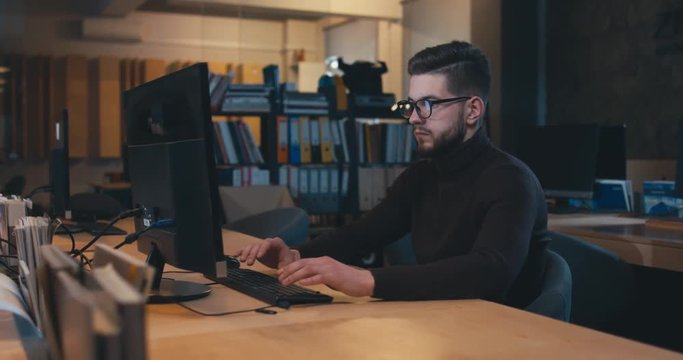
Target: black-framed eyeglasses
423, 106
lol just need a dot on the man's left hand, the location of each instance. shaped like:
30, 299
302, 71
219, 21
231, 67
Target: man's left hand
325, 270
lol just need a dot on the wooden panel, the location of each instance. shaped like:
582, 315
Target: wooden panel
75, 88
105, 107
218, 67
17, 103
152, 69
249, 74
51, 115
34, 135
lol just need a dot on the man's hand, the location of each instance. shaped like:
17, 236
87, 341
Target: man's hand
272, 252
325, 270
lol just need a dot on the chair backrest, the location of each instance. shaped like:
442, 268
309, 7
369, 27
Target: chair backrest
603, 284
400, 252
555, 299
14, 186
290, 224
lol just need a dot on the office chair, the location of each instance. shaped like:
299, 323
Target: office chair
14, 186
604, 285
94, 206
289, 224
555, 299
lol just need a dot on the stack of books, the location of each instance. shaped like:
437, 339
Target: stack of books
247, 98
73, 312
302, 103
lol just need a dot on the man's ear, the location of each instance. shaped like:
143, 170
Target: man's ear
476, 111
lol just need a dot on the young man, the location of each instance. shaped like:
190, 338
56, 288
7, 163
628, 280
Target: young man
476, 214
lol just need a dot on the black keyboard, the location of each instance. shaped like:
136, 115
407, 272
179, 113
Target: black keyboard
268, 289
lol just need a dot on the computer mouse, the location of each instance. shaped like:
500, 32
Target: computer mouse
233, 262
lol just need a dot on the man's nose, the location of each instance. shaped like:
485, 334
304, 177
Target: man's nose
415, 119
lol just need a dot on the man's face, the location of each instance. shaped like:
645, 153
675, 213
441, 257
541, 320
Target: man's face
446, 125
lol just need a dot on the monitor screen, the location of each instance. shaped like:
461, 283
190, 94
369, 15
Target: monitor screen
59, 170
612, 153
563, 157
172, 171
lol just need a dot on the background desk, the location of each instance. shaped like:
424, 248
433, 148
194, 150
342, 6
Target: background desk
362, 328
629, 238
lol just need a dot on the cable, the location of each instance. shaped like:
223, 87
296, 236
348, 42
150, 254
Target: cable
85, 261
38, 190
123, 215
131, 238
71, 235
264, 310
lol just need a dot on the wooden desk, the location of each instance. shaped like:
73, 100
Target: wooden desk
354, 328
629, 238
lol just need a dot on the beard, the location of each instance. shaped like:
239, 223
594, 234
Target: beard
442, 143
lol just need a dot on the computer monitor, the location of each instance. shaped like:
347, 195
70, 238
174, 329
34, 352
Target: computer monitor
59, 170
612, 153
563, 157
173, 178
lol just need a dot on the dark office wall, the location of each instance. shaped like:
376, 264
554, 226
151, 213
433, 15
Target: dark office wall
618, 61
523, 49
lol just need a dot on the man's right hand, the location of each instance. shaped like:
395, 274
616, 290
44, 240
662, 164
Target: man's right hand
272, 252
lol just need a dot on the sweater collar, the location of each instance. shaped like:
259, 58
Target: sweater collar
462, 155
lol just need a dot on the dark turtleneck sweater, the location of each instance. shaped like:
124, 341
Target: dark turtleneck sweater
478, 220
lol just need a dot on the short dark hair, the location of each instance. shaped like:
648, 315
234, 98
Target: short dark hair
466, 67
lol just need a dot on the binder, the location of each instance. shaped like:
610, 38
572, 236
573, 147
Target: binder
294, 141
344, 140
344, 182
337, 150
360, 142
242, 141
314, 181
335, 193
329, 199
326, 143
293, 181
303, 184
254, 151
400, 143
283, 175
282, 143
316, 156
365, 187
229, 143
221, 153
305, 139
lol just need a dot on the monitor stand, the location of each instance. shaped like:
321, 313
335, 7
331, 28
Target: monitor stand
168, 290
